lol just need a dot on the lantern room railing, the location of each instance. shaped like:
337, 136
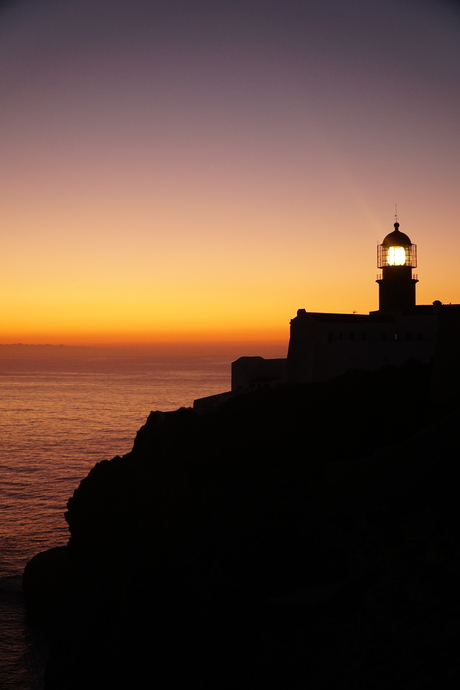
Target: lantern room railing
379, 276
397, 256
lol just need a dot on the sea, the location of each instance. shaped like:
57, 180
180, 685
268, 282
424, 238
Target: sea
62, 410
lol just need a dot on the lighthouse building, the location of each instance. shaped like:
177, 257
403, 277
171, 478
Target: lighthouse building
325, 345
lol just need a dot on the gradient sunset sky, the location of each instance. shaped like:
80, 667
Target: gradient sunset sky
199, 170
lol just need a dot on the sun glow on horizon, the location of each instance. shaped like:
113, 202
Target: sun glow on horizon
165, 180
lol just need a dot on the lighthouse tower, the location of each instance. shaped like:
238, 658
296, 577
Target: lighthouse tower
396, 256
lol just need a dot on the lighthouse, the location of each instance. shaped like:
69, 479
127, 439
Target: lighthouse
396, 256
324, 345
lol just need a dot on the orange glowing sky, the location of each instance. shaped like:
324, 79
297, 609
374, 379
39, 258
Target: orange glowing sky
200, 170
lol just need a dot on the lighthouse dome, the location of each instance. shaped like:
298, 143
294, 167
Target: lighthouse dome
396, 238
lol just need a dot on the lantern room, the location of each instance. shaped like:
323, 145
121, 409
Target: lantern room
397, 250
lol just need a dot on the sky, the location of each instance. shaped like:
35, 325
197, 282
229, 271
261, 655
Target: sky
198, 170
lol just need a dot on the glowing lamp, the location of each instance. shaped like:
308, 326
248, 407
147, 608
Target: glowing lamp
396, 256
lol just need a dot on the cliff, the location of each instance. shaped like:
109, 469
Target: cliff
292, 538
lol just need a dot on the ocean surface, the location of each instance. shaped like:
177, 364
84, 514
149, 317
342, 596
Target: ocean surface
61, 412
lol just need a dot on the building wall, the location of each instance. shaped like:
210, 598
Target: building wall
445, 383
322, 347
257, 372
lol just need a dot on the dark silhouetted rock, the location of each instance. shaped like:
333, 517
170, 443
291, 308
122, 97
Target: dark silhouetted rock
304, 537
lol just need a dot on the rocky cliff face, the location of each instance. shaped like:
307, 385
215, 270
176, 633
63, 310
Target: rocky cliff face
306, 536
